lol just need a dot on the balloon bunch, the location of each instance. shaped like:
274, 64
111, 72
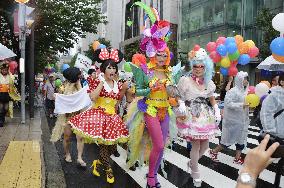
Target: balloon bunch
257, 94
49, 69
230, 51
277, 49
97, 45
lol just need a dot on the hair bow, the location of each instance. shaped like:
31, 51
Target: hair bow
105, 54
153, 38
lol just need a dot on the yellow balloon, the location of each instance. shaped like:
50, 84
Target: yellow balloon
250, 43
95, 45
225, 62
253, 100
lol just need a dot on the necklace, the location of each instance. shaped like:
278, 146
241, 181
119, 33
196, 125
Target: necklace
160, 70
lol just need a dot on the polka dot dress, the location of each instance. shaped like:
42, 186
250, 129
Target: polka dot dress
96, 125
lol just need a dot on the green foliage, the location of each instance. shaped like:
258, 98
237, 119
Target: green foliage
90, 52
130, 50
264, 23
73, 60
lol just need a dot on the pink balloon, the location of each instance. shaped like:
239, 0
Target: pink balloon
220, 40
251, 90
215, 57
211, 46
253, 52
196, 47
233, 71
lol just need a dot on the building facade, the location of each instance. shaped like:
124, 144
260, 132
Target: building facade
203, 21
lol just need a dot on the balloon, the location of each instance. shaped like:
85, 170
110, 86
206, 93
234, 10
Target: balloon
278, 58
251, 90
261, 89
220, 40
64, 67
267, 83
253, 100
222, 50
224, 71
243, 48
101, 46
225, 62
234, 63
230, 40
127, 67
58, 83
211, 46
215, 57
239, 39
277, 22
253, 52
196, 47
244, 59
233, 71
95, 45
262, 98
232, 47
172, 55
234, 56
250, 43
277, 46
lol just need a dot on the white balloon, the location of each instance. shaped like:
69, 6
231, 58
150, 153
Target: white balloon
261, 89
278, 22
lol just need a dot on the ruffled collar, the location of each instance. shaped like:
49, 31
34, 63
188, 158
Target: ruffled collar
109, 89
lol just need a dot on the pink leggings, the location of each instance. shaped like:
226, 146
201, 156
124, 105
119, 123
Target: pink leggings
158, 131
198, 149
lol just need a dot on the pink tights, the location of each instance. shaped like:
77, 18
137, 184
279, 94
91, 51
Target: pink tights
158, 131
198, 149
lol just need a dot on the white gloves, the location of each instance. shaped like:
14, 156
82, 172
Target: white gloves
217, 114
182, 107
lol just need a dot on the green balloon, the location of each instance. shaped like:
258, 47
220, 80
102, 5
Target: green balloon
58, 83
127, 67
234, 56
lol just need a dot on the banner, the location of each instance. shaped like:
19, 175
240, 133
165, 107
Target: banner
83, 62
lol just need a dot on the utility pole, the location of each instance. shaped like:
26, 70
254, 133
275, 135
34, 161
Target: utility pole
31, 73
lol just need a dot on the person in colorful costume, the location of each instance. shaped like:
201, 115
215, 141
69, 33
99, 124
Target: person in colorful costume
150, 117
68, 104
198, 111
101, 124
8, 92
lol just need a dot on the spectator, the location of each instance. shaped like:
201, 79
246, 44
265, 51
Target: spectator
48, 95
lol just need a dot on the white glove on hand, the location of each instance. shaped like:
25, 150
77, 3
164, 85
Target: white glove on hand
182, 107
217, 114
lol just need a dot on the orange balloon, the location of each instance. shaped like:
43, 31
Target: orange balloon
95, 45
22, 1
266, 83
244, 48
239, 39
278, 58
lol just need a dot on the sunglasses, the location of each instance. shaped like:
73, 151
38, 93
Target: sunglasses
162, 55
198, 66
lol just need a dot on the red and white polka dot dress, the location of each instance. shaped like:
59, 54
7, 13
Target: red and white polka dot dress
95, 125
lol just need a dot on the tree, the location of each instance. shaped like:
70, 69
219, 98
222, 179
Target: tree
263, 23
131, 49
90, 52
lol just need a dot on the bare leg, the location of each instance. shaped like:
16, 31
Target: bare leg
66, 143
80, 149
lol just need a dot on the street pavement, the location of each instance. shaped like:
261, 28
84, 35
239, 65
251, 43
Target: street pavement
217, 175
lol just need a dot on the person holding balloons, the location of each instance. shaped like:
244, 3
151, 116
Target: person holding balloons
201, 112
236, 119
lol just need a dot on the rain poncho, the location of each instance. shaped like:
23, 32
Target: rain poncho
236, 117
272, 104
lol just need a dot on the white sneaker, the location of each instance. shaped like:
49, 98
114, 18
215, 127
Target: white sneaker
197, 182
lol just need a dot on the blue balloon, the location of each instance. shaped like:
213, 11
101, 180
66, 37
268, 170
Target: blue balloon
244, 59
230, 40
64, 67
277, 46
222, 50
101, 46
232, 48
224, 71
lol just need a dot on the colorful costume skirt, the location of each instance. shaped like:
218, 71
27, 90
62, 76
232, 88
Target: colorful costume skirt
96, 126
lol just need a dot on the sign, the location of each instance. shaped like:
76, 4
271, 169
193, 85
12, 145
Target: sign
83, 62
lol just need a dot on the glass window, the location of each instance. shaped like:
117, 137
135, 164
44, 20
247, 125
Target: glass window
184, 45
204, 39
250, 12
233, 32
273, 4
195, 19
234, 12
208, 14
216, 34
218, 16
193, 41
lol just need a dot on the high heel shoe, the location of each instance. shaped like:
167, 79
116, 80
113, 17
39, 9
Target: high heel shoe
109, 175
149, 186
95, 171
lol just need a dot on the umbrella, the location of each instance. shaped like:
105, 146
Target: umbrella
271, 64
5, 52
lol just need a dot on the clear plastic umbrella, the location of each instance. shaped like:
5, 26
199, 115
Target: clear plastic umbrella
6, 52
271, 64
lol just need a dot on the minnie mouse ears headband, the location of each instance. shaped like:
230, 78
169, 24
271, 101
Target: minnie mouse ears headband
104, 54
